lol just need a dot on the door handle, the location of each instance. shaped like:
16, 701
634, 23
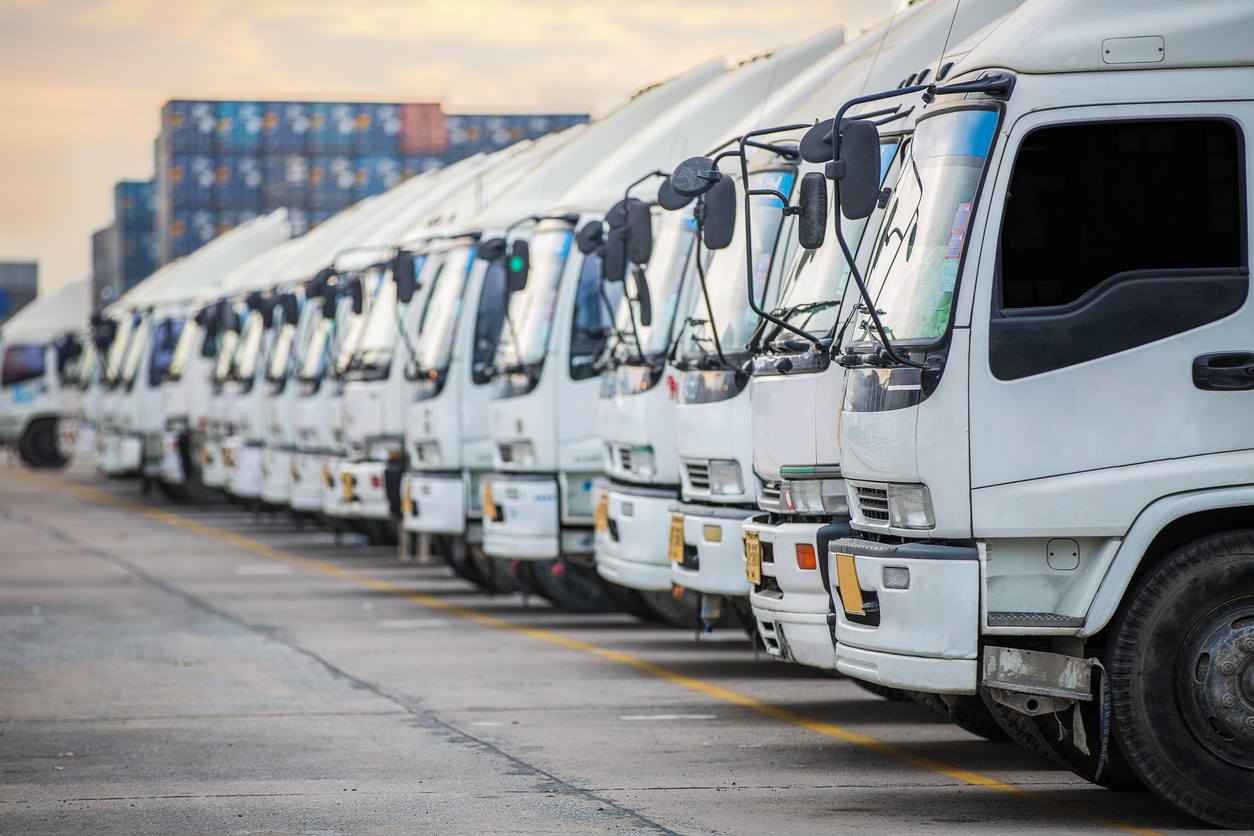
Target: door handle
1228, 371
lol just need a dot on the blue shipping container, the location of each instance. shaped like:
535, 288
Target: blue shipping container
285, 127
413, 166
202, 174
246, 136
331, 127
376, 173
134, 201
176, 175
331, 182
377, 129
188, 127
204, 227
178, 234
299, 221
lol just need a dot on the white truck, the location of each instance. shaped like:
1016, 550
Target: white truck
639, 383
32, 360
1044, 428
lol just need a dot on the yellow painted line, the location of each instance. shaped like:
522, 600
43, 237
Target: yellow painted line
691, 683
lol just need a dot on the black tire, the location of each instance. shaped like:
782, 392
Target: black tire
883, 691
571, 586
174, 493
630, 601
452, 550
968, 712
499, 575
1181, 663
38, 446
683, 612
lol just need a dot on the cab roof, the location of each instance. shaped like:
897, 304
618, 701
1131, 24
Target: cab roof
1076, 36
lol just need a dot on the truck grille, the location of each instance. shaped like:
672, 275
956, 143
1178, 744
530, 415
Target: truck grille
770, 491
507, 452
873, 503
624, 458
699, 475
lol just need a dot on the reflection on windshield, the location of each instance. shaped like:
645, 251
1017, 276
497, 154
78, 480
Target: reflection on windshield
378, 337
164, 341
915, 266
186, 345
280, 351
135, 351
725, 277
812, 289
669, 264
350, 326
315, 354
117, 349
245, 362
84, 365
531, 309
443, 309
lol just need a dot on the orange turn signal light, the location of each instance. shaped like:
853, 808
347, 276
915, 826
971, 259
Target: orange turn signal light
805, 557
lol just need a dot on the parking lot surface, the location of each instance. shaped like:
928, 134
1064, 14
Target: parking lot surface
195, 669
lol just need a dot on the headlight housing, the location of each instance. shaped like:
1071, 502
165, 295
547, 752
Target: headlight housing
910, 506
725, 478
427, 452
386, 450
642, 462
816, 496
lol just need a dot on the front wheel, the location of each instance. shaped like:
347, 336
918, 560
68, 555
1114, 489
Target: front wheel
1182, 677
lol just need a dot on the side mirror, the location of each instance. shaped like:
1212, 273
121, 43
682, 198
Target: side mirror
254, 301
319, 282
404, 275
720, 214
642, 296
491, 249
227, 320
694, 176
669, 199
639, 232
355, 293
291, 312
519, 266
816, 145
268, 305
812, 225
857, 170
329, 295
590, 236
614, 257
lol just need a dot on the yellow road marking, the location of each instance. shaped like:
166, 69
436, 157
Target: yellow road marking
691, 683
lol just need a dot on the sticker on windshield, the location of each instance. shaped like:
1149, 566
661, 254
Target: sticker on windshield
950, 277
961, 214
955, 246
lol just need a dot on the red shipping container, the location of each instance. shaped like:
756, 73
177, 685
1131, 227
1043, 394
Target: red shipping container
422, 129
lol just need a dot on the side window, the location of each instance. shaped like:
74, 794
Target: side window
21, 363
493, 300
1115, 235
593, 322
165, 340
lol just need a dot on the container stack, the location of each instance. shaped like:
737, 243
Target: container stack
220, 163
134, 219
19, 284
104, 265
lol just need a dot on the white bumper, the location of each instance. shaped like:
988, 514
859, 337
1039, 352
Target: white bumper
121, 454
434, 503
334, 501
307, 476
715, 533
525, 523
276, 476
212, 468
365, 491
243, 468
791, 608
171, 460
632, 538
928, 633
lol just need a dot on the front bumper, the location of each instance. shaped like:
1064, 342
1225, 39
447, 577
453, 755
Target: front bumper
276, 476
632, 534
714, 552
333, 502
924, 637
243, 466
434, 503
212, 468
172, 472
307, 478
121, 455
791, 605
520, 520
368, 497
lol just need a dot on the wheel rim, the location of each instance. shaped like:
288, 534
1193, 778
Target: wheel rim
1215, 682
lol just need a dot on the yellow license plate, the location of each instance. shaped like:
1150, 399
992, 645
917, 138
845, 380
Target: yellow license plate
601, 521
407, 502
348, 483
676, 549
489, 507
753, 558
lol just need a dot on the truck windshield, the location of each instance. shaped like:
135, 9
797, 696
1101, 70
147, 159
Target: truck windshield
228, 341
379, 332
314, 356
443, 309
85, 365
914, 268
670, 262
22, 362
531, 309
349, 326
814, 284
135, 351
165, 340
245, 362
188, 337
117, 348
725, 276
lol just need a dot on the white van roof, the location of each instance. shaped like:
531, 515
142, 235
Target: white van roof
1074, 36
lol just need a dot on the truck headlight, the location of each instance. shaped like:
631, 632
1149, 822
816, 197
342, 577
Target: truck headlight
427, 452
386, 450
725, 478
910, 506
642, 462
817, 496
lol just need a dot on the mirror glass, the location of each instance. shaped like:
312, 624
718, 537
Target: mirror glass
590, 237
860, 152
720, 214
640, 232
519, 265
403, 275
812, 225
669, 199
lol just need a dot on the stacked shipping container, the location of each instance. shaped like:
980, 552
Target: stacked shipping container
19, 284
220, 163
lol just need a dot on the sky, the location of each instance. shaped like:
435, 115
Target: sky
82, 81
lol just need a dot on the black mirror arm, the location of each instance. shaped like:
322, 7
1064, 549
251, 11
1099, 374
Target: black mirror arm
788, 153
627, 191
744, 173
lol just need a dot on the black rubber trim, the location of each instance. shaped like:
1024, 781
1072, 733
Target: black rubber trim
1127, 310
651, 491
858, 547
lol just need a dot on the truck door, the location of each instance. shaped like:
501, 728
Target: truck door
1112, 334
